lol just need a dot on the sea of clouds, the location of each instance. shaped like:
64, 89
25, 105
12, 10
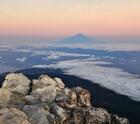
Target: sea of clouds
110, 77
91, 68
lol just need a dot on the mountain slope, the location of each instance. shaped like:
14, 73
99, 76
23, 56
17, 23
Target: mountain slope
78, 38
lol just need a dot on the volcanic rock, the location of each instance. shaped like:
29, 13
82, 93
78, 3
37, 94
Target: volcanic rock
47, 101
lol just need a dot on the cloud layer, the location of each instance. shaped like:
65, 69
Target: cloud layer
109, 77
22, 59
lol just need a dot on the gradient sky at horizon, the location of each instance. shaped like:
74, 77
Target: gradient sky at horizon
64, 17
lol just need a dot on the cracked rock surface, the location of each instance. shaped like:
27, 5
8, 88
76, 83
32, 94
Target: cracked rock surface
46, 101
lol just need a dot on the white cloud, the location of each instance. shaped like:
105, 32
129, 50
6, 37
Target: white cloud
51, 57
70, 54
133, 60
22, 59
40, 53
4, 47
56, 55
108, 57
21, 50
109, 77
104, 45
39, 66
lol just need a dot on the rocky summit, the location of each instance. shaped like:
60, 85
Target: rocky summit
48, 101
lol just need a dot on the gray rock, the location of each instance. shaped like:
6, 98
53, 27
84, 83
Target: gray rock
59, 113
83, 96
77, 116
62, 100
13, 116
72, 98
97, 116
29, 99
118, 120
38, 115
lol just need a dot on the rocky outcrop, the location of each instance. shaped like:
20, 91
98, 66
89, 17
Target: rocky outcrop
47, 101
13, 116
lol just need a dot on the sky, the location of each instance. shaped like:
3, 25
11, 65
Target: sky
66, 17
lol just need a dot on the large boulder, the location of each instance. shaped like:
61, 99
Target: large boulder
97, 116
44, 89
59, 113
17, 83
13, 116
118, 120
76, 116
5, 97
45, 94
83, 96
9, 98
43, 81
38, 115
59, 83
71, 98
14, 89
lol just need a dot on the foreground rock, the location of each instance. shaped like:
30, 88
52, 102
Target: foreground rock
13, 116
47, 101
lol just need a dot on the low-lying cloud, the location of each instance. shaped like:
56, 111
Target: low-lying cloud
53, 55
22, 59
112, 78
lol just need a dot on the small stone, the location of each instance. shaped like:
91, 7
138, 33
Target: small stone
31, 99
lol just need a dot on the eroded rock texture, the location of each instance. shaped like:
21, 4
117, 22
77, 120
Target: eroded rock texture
47, 101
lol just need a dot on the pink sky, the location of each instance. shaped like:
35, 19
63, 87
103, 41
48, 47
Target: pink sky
61, 17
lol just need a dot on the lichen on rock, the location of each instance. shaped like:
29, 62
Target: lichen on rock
46, 101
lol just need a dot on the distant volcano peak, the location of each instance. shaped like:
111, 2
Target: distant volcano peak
81, 35
78, 38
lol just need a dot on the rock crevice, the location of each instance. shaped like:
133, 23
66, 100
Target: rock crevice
47, 101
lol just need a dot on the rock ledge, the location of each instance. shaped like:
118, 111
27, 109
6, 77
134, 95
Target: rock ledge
47, 101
